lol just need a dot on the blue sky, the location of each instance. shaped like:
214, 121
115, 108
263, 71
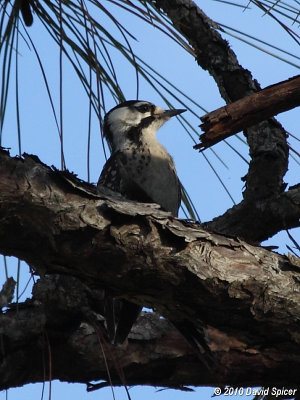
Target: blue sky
40, 136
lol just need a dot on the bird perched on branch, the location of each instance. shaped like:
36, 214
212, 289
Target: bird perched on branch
140, 169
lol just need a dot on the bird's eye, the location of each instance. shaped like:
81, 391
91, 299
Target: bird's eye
144, 108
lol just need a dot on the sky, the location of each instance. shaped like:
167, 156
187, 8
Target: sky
40, 135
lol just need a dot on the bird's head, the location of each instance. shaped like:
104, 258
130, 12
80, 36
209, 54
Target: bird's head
134, 122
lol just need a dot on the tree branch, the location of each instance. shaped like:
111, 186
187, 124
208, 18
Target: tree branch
226, 121
267, 140
268, 217
246, 297
59, 318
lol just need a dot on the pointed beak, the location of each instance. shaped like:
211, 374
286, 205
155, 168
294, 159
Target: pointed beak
172, 113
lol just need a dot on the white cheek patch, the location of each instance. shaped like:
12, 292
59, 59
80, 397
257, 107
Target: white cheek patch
120, 115
125, 117
120, 120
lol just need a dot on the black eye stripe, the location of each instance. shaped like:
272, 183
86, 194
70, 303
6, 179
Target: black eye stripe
145, 108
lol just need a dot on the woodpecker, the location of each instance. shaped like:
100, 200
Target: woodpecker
140, 169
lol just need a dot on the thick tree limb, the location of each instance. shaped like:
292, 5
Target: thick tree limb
247, 297
155, 353
226, 121
258, 221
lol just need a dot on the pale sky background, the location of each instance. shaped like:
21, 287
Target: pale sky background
40, 136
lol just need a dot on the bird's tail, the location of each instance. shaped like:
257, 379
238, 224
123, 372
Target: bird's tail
196, 338
120, 316
128, 315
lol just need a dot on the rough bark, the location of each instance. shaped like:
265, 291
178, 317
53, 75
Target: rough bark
252, 109
258, 220
246, 297
59, 320
267, 140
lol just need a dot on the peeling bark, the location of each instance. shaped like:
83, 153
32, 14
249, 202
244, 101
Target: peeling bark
82, 243
243, 113
155, 353
246, 297
258, 220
